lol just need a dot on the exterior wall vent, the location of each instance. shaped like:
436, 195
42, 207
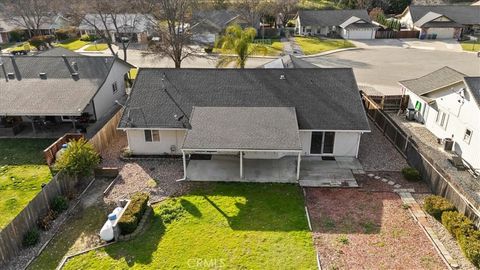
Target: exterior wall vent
11, 76
42, 75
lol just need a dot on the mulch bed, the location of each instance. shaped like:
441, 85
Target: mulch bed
360, 229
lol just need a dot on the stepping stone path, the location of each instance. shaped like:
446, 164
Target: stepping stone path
385, 180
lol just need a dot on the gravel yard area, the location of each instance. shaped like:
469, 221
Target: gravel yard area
446, 238
156, 176
373, 185
361, 229
376, 153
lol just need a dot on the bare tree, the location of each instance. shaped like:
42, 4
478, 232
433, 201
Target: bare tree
112, 21
283, 8
250, 10
170, 19
28, 14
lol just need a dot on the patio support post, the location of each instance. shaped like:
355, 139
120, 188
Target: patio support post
298, 165
241, 165
184, 165
33, 127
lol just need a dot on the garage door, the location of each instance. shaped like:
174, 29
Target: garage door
442, 32
366, 33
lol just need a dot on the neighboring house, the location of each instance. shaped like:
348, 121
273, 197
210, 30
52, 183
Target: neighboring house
252, 113
289, 61
47, 27
448, 103
47, 90
208, 25
449, 21
349, 24
137, 27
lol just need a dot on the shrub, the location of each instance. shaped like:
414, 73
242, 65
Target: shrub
436, 205
59, 204
411, 174
45, 222
79, 158
470, 246
31, 237
457, 224
86, 37
42, 41
134, 213
65, 33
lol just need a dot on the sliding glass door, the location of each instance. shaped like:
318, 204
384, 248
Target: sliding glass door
322, 143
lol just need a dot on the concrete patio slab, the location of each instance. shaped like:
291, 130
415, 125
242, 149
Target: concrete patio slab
315, 172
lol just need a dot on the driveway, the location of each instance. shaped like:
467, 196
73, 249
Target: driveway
381, 67
450, 45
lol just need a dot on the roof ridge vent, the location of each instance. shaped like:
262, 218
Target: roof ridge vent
282, 77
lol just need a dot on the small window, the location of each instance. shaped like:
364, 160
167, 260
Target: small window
468, 136
114, 87
442, 119
152, 135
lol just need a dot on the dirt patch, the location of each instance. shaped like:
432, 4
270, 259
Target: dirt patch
358, 229
371, 184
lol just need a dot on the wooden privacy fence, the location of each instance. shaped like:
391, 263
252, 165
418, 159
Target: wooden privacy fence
103, 137
440, 182
50, 152
396, 34
391, 103
11, 237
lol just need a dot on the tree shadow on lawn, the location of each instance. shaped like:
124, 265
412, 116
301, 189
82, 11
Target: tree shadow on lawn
258, 206
342, 211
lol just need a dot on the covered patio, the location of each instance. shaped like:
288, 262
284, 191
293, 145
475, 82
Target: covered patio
254, 144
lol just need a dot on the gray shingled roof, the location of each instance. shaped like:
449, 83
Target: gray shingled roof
355, 22
330, 17
130, 23
428, 21
324, 99
217, 18
473, 83
246, 128
462, 14
436, 80
289, 61
59, 93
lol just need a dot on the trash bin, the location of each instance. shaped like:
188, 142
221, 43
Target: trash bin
448, 144
434, 36
422, 36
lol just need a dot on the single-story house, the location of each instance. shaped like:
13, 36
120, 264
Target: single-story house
48, 26
208, 25
249, 114
347, 23
135, 27
447, 102
446, 21
50, 91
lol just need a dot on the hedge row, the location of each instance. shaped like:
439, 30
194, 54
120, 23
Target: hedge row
459, 226
134, 213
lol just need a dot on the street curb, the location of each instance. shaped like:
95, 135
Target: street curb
329, 52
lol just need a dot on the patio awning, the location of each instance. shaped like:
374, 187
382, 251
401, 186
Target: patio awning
243, 129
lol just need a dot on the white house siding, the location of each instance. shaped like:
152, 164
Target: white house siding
345, 145
168, 138
105, 98
358, 33
459, 118
406, 20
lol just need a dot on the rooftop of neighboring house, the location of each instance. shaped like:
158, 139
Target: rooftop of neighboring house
331, 17
52, 22
289, 61
441, 79
432, 19
462, 14
218, 19
51, 85
324, 99
130, 23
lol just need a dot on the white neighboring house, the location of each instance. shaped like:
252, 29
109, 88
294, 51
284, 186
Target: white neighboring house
56, 87
255, 113
448, 103
349, 24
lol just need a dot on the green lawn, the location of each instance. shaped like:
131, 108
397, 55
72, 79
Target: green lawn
276, 48
96, 47
227, 226
22, 172
20, 47
73, 238
471, 46
73, 45
312, 45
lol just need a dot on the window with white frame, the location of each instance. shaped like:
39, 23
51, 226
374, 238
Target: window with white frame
467, 137
114, 87
442, 119
152, 135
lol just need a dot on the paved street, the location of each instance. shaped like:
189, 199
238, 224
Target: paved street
382, 67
